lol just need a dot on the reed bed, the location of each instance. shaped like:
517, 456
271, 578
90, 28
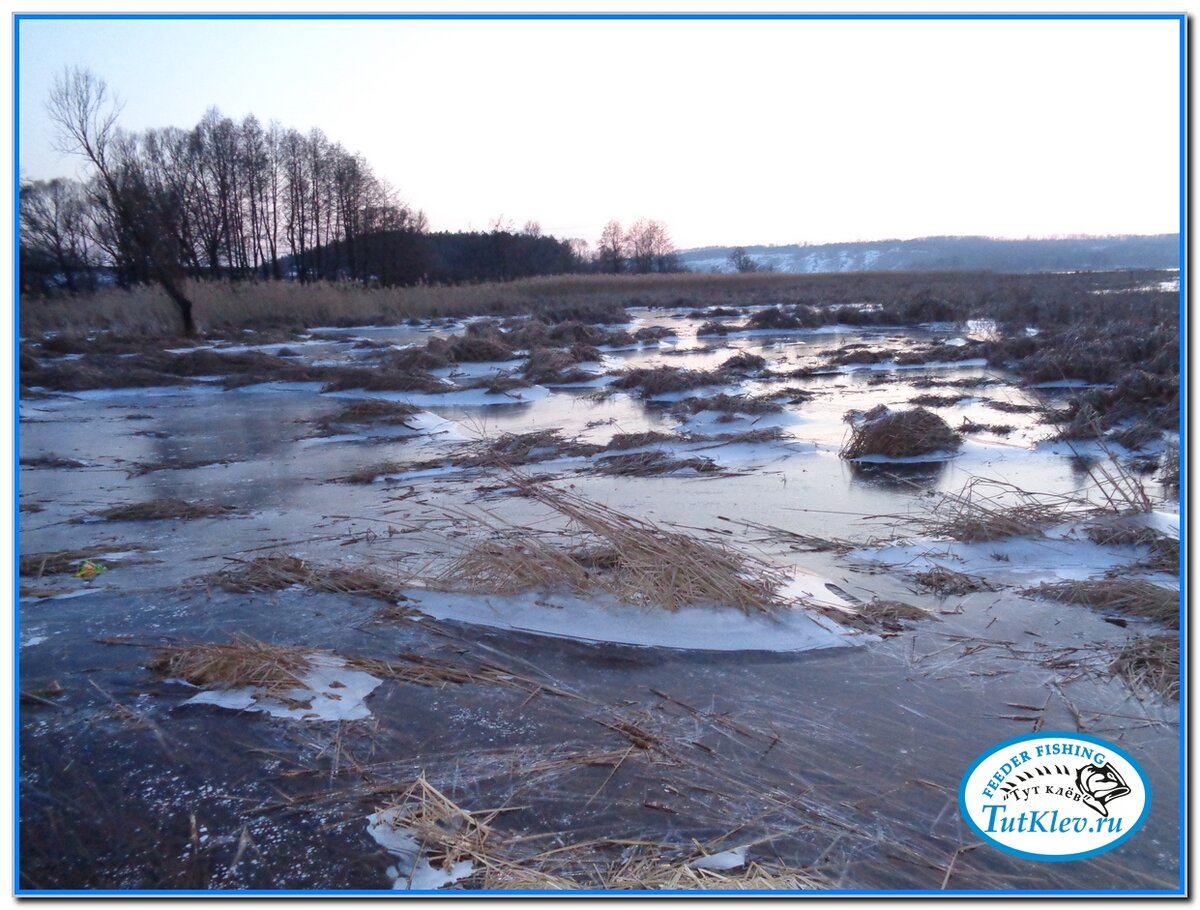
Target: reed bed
602, 549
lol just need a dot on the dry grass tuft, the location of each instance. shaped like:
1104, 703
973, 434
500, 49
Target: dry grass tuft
727, 404
992, 510
623, 441
1151, 663
901, 434
652, 464
1130, 595
657, 381
359, 413
64, 562
602, 549
370, 473
159, 509
945, 582
278, 571
241, 663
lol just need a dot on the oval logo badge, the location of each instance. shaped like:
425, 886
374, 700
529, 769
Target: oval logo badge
1054, 796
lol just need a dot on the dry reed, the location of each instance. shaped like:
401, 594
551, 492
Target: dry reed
901, 434
275, 572
1129, 595
630, 558
1151, 662
241, 663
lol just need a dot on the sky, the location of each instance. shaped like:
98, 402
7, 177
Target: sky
730, 132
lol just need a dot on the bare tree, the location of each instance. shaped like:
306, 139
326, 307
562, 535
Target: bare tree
611, 248
742, 261
650, 247
86, 118
56, 242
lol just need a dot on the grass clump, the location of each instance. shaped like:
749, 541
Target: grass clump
945, 582
64, 562
238, 664
360, 413
901, 434
1129, 595
652, 464
160, 509
656, 381
727, 404
277, 571
1152, 663
622, 441
602, 549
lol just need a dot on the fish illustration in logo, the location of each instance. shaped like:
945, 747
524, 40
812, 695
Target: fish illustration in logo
1100, 786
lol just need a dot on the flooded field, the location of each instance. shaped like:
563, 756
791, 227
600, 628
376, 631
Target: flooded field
618, 614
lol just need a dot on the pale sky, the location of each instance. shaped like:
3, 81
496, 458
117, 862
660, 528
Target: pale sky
731, 132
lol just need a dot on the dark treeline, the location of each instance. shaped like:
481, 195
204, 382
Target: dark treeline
233, 199
237, 200
407, 257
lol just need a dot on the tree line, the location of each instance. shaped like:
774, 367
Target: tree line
237, 200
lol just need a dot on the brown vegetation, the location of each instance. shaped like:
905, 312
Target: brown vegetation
633, 559
1129, 595
901, 434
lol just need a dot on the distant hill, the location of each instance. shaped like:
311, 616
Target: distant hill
1157, 251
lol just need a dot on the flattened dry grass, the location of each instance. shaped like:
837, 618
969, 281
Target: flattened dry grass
652, 464
1129, 595
240, 663
946, 582
450, 834
64, 562
622, 441
277, 571
161, 509
602, 549
360, 413
901, 434
1151, 663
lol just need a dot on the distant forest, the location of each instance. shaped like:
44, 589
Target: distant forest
239, 200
